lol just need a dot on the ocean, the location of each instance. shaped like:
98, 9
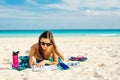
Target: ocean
62, 33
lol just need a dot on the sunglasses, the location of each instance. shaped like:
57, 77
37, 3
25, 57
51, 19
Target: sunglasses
47, 44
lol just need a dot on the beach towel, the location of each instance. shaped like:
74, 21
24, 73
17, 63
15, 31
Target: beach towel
24, 63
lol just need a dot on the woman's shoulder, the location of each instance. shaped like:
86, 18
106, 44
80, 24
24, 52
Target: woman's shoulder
34, 45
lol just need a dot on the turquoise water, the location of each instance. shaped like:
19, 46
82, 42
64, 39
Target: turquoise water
63, 33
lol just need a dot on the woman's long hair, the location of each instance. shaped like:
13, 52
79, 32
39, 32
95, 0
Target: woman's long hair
48, 35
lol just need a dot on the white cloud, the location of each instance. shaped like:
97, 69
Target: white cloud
67, 5
99, 13
12, 12
101, 4
27, 15
88, 4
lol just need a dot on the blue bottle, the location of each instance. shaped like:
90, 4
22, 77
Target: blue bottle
64, 66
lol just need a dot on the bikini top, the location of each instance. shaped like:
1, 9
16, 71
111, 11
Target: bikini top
38, 58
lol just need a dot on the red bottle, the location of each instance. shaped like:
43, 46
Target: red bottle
15, 60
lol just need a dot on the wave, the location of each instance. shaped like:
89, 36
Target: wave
109, 35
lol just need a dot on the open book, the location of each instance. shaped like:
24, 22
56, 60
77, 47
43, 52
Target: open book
46, 67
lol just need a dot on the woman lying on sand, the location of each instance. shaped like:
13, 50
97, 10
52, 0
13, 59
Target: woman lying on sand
43, 50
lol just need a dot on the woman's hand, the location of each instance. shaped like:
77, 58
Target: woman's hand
42, 63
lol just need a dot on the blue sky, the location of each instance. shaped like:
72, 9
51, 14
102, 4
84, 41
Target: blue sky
59, 14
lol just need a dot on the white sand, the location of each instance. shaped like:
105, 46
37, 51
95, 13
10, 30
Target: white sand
103, 62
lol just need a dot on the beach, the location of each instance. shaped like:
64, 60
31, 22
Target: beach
103, 61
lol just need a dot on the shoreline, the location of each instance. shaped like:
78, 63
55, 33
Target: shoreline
58, 35
83, 38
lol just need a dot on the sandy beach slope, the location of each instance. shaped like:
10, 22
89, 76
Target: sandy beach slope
103, 61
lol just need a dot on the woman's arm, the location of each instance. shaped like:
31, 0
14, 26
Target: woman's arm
32, 59
55, 61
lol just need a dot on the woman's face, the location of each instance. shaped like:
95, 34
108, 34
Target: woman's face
45, 44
